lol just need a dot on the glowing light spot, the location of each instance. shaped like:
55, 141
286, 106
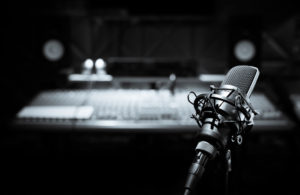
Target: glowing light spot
88, 64
100, 63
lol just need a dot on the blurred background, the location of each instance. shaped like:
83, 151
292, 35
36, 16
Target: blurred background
94, 94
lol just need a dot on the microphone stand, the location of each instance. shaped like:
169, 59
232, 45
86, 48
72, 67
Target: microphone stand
232, 174
228, 169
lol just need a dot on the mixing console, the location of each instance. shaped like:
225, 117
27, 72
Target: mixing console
133, 110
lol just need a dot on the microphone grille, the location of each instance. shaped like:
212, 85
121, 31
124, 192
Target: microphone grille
243, 77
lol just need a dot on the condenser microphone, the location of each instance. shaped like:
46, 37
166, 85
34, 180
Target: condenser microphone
227, 104
243, 77
225, 113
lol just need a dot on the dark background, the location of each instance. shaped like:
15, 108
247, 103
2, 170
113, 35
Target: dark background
199, 34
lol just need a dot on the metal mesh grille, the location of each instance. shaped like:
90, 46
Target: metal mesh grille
241, 77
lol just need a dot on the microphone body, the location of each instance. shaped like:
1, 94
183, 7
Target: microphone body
224, 113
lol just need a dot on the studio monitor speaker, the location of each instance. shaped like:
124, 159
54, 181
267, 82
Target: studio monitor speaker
244, 40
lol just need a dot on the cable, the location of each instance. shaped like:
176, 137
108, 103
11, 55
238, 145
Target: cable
187, 192
196, 171
205, 151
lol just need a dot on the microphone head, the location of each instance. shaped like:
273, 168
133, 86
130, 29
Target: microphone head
243, 77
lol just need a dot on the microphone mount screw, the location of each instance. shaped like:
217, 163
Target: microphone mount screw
239, 139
